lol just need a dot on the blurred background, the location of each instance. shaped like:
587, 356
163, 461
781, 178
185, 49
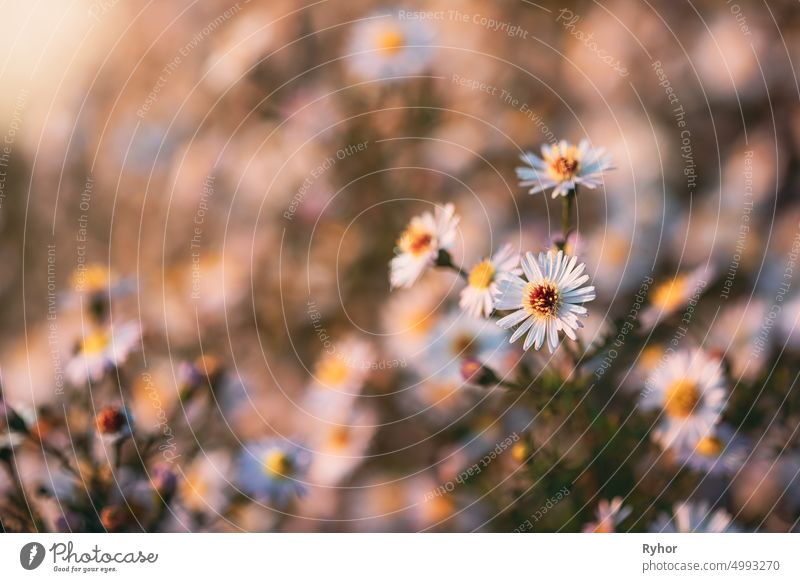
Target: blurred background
218, 188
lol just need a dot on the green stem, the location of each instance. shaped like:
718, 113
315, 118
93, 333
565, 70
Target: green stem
566, 217
117, 454
510, 385
445, 260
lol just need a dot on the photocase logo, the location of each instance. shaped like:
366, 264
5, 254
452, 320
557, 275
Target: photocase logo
31, 555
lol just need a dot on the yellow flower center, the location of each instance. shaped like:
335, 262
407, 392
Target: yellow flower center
482, 275
541, 299
93, 278
671, 294
95, 343
419, 322
604, 526
332, 371
563, 165
391, 40
520, 452
416, 241
440, 508
340, 437
278, 464
682, 397
709, 446
195, 489
651, 356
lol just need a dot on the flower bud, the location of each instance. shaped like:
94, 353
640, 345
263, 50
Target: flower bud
114, 422
474, 372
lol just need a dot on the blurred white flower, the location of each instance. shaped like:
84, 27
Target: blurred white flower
271, 470
609, 515
204, 485
688, 387
548, 302
736, 334
345, 365
419, 245
721, 452
671, 295
563, 166
340, 448
692, 517
102, 350
385, 46
478, 296
455, 338
409, 317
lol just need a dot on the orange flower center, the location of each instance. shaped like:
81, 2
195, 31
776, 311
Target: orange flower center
415, 241
563, 165
332, 371
670, 294
682, 397
391, 40
709, 446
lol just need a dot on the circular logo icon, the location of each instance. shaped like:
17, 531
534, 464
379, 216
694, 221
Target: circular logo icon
31, 555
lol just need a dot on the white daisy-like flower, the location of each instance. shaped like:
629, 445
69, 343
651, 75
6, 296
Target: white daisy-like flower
271, 470
102, 350
386, 45
340, 448
688, 387
562, 167
694, 518
344, 366
477, 298
720, 452
669, 296
204, 486
609, 515
547, 302
455, 338
409, 317
419, 245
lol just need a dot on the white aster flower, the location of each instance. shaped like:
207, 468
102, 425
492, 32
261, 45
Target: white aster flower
455, 338
720, 452
386, 45
548, 302
688, 387
669, 296
204, 485
562, 167
694, 518
477, 297
419, 245
344, 366
609, 515
271, 470
340, 448
101, 351
409, 317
